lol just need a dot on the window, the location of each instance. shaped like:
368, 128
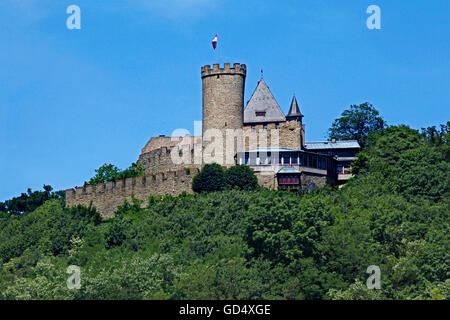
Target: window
277, 126
286, 159
265, 127
260, 113
253, 127
294, 160
283, 180
314, 163
320, 163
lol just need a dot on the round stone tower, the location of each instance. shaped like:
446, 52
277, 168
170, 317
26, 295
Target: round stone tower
223, 107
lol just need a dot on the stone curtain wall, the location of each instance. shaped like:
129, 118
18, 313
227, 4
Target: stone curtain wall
108, 197
160, 160
170, 142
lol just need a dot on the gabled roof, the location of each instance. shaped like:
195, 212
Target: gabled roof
345, 144
294, 110
262, 100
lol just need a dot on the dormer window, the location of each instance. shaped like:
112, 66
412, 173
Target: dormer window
260, 113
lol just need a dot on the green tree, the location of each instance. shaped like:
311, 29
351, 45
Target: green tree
30, 201
109, 172
211, 178
356, 123
106, 172
241, 177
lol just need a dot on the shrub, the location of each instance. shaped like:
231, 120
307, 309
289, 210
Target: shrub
241, 177
211, 178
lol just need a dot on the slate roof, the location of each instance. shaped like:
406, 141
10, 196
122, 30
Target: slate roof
345, 158
294, 110
320, 145
262, 100
289, 170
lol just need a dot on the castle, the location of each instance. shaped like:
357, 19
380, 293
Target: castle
260, 135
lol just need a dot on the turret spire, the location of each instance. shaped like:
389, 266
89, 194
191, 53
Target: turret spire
294, 111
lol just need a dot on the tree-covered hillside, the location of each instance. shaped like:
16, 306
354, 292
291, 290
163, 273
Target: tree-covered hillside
253, 244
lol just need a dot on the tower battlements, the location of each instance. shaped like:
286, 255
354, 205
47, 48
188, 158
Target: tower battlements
222, 105
237, 68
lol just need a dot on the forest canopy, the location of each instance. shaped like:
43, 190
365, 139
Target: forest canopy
253, 244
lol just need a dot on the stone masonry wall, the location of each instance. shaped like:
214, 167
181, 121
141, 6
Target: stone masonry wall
160, 160
290, 135
307, 180
266, 180
222, 108
170, 142
107, 197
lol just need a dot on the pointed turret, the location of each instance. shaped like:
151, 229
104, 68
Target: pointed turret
294, 111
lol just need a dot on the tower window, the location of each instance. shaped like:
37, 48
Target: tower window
277, 126
253, 127
260, 113
265, 127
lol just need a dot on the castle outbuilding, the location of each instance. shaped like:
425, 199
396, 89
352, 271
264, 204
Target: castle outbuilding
260, 135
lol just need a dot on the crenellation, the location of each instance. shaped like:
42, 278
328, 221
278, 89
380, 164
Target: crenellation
140, 181
89, 189
100, 187
109, 186
223, 91
120, 185
108, 197
238, 69
79, 191
129, 184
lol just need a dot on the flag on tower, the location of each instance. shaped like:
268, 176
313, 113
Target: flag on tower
214, 42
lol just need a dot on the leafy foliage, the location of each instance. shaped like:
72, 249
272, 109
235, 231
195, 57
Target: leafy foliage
251, 244
28, 202
241, 177
356, 123
210, 178
213, 178
109, 172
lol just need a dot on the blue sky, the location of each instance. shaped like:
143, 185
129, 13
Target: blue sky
71, 100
